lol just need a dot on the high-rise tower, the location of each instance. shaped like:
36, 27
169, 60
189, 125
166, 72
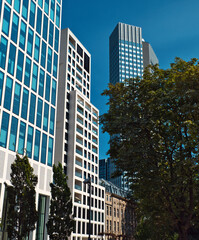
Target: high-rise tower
29, 63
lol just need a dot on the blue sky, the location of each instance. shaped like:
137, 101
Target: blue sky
170, 26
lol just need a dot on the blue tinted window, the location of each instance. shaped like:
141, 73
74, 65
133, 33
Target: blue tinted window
52, 120
56, 39
11, 60
58, 16
9, 1
45, 27
29, 141
50, 151
25, 9
37, 48
4, 129
55, 62
32, 108
45, 122
3, 51
43, 148
6, 20
34, 77
30, 42
1, 85
17, 4
53, 94
22, 133
0, 7
37, 145
51, 33
41, 83
8, 93
52, 10
48, 84
46, 6
13, 134
17, 95
40, 3
27, 73
39, 112
22, 39
24, 107
39, 20
49, 61
32, 14
43, 55
20, 65
15, 23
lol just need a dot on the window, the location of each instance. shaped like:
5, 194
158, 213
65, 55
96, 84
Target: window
51, 34
41, 224
50, 151
22, 39
20, 65
6, 20
43, 55
43, 148
32, 14
22, 133
37, 145
1, 84
8, 93
37, 48
55, 65
17, 4
27, 72
32, 108
34, 77
39, 112
17, 95
15, 23
56, 44
53, 94
48, 84
11, 60
46, 7
41, 82
45, 27
25, 9
30, 41
3, 51
52, 120
24, 107
49, 61
58, 16
39, 20
46, 113
52, 10
4, 129
13, 134
29, 141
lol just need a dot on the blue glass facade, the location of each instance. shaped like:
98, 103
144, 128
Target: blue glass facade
29, 45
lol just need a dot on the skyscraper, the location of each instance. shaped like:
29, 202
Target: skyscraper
29, 63
77, 136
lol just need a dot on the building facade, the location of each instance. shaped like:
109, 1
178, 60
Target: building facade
77, 136
29, 67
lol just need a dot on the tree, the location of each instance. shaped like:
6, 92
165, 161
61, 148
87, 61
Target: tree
154, 124
60, 223
22, 214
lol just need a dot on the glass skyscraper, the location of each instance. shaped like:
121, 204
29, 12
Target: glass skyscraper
29, 62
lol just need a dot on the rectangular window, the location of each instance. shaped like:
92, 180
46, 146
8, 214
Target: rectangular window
17, 5
51, 34
27, 73
6, 20
46, 7
41, 82
1, 84
29, 141
45, 27
55, 62
41, 224
25, 9
20, 65
11, 59
49, 61
34, 77
32, 14
37, 145
53, 94
3, 51
15, 23
32, 108
13, 134
24, 107
8, 93
30, 42
58, 16
43, 55
48, 84
39, 20
52, 10
39, 112
52, 120
22, 133
17, 95
45, 121
22, 39
40, 3
43, 148
37, 48
4, 129
50, 151
56, 46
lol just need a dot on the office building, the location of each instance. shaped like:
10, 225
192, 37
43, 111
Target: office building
149, 56
77, 136
29, 64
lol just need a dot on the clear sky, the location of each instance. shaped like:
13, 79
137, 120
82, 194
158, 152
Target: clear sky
170, 26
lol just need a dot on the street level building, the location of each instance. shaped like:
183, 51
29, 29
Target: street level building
29, 67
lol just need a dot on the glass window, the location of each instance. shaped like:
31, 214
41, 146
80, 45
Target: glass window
20, 65
24, 107
49, 61
32, 108
25, 9
30, 41
22, 133
4, 129
29, 141
22, 39
53, 94
45, 27
51, 33
34, 77
41, 218
48, 84
27, 73
39, 112
11, 60
58, 16
43, 55
39, 20
52, 10
8, 93
41, 82
17, 4
43, 148
3, 51
6, 20
55, 65
52, 120
37, 145
32, 14
13, 134
1, 85
46, 113
56, 39
40, 3
46, 7
15, 23
17, 95
37, 48
50, 151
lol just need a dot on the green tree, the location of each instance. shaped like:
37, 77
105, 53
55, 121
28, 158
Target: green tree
60, 223
22, 214
154, 124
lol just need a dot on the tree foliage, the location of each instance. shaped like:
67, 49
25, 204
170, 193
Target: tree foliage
22, 214
154, 124
60, 223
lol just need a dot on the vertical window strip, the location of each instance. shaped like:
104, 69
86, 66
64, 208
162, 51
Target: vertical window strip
22, 133
4, 129
13, 134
